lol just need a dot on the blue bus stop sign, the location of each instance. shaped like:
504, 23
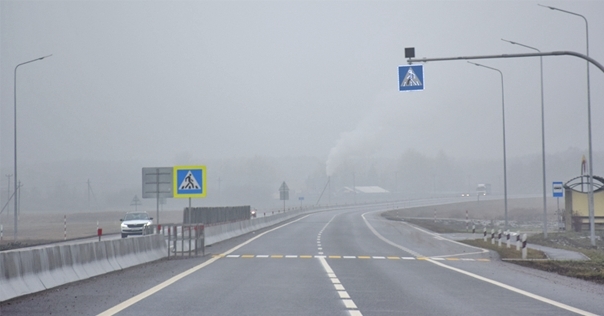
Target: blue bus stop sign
558, 189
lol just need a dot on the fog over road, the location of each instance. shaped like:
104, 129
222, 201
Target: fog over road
345, 261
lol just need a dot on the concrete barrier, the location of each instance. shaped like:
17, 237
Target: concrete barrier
218, 233
26, 271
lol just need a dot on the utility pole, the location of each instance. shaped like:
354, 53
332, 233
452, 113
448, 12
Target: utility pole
219, 197
18, 211
8, 193
88, 193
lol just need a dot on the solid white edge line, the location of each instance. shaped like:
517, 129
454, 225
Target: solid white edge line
505, 286
135, 299
384, 239
517, 290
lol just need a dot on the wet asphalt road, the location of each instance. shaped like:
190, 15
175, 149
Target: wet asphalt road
348, 261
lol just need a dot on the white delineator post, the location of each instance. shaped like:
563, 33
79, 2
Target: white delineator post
499, 238
493, 236
508, 238
518, 241
64, 227
467, 222
523, 246
485, 234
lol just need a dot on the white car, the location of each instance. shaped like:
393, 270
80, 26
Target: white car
134, 223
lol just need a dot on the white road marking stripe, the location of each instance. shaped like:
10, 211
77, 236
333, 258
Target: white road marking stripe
437, 258
320, 257
349, 257
338, 286
261, 256
378, 257
354, 313
343, 294
517, 290
349, 303
127, 303
291, 256
386, 240
320, 252
331, 275
408, 258
232, 256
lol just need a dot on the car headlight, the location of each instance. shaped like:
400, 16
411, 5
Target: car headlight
124, 225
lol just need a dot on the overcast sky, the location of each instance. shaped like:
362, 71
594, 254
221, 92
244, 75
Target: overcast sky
159, 81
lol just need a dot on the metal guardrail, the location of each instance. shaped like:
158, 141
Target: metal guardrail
182, 239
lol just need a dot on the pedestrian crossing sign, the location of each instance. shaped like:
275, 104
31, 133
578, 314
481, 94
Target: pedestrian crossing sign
189, 181
410, 77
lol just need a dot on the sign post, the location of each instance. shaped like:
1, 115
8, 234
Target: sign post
284, 194
558, 192
157, 183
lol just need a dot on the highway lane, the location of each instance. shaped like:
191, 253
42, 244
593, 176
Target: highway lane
348, 261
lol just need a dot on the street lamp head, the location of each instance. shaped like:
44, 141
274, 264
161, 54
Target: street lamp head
545, 6
511, 42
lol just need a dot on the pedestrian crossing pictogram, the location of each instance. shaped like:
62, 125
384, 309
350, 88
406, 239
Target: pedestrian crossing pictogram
189, 182
411, 79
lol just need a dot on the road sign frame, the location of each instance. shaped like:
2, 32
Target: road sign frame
180, 173
418, 70
158, 182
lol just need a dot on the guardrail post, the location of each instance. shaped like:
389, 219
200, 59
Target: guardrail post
189, 229
175, 238
182, 240
169, 237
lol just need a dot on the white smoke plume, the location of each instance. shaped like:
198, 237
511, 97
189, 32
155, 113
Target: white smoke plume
367, 138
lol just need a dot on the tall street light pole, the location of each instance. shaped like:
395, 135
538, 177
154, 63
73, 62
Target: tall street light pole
505, 177
591, 170
542, 135
15, 123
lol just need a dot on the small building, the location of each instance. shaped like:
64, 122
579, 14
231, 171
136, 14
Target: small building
366, 190
576, 211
